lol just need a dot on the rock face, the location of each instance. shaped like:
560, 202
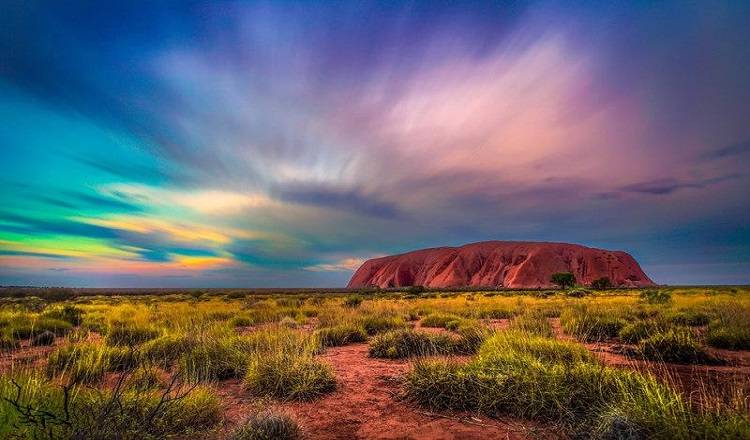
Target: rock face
512, 264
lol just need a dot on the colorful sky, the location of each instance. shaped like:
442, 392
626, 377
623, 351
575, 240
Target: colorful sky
169, 144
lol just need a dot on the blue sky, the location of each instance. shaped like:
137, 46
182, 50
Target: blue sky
282, 143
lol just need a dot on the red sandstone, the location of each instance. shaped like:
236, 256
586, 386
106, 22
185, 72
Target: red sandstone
511, 264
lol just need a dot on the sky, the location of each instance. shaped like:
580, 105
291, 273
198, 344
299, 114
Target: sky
280, 144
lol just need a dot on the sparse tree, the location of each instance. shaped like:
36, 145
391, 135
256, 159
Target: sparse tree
602, 283
563, 279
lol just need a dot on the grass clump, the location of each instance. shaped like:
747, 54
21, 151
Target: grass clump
557, 382
532, 323
341, 335
636, 331
165, 350
591, 325
29, 328
731, 329
676, 345
353, 301
440, 320
68, 313
130, 334
215, 358
288, 376
374, 324
655, 296
399, 344
268, 425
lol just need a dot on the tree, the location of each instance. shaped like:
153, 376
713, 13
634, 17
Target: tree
601, 283
563, 279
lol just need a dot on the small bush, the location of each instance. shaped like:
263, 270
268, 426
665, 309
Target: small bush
591, 325
353, 301
563, 279
602, 283
471, 336
288, 376
125, 334
80, 363
636, 331
165, 350
398, 344
730, 338
268, 425
341, 335
577, 293
68, 313
215, 359
375, 324
533, 323
241, 321
7, 343
438, 320
44, 338
690, 318
27, 330
655, 296
676, 345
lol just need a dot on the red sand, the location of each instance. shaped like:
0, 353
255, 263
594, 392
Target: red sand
500, 263
367, 405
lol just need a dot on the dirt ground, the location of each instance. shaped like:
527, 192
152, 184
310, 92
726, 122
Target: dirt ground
368, 405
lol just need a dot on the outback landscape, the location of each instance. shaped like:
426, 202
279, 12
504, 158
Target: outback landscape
417, 363
355, 220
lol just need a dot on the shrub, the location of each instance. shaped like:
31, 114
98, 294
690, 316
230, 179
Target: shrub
214, 359
241, 321
398, 344
374, 324
288, 376
591, 325
416, 290
563, 279
602, 283
44, 338
544, 294
533, 323
438, 320
29, 329
341, 335
690, 318
268, 425
127, 334
471, 337
353, 301
104, 414
68, 313
7, 343
731, 338
453, 325
165, 350
638, 330
80, 363
655, 296
526, 376
577, 293
676, 345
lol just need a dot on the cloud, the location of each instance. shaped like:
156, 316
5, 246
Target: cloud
728, 151
206, 201
670, 185
345, 265
353, 200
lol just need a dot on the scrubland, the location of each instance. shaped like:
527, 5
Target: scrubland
614, 364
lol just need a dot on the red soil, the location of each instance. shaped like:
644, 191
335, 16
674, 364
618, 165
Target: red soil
499, 263
367, 405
